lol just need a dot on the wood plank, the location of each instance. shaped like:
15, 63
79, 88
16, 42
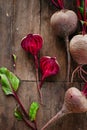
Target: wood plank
17, 19
53, 46
26, 20
53, 96
6, 14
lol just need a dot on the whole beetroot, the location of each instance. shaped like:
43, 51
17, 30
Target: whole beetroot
78, 49
74, 102
64, 23
78, 44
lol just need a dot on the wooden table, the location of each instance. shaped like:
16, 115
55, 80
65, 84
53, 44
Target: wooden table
17, 19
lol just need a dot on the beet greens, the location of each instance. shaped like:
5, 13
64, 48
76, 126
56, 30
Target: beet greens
10, 85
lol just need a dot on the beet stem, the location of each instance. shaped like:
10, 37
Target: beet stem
20, 104
85, 14
59, 115
37, 77
41, 82
53, 1
68, 57
59, 3
29, 124
85, 89
78, 11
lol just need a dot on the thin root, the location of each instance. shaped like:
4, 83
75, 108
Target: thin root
81, 75
80, 71
76, 70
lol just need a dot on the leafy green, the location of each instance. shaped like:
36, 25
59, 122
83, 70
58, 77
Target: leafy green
18, 114
8, 81
5, 84
82, 22
82, 3
81, 10
33, 110
14, 57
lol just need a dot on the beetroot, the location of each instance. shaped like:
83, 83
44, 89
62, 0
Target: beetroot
78, 44
74, 102
78, 49
64, 23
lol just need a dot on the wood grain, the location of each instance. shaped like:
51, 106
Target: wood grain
17, 19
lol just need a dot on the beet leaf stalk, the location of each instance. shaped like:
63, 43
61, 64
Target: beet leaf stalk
74, 102
58, 3
32, 115
49, 66
10, 84
37, 77
85, 17
20, 117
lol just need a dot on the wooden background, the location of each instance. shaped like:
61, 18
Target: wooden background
17, 19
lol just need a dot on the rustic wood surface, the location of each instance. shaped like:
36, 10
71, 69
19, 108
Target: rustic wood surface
17, 19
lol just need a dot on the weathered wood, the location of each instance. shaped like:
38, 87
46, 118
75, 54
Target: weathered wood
17, 19
26, 20
52, 45
6, 33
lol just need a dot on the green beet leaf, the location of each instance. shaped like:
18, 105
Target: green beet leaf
81, 10
18, 114
8, 81
82, 22
14, 57
33, 110
82, 3
5, 84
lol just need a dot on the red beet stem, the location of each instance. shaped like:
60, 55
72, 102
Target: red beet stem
37, 76
59, 3
19, 102
85, 89
78, 11
85, 1
41, 82
56, 4
29, 124
84, 29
